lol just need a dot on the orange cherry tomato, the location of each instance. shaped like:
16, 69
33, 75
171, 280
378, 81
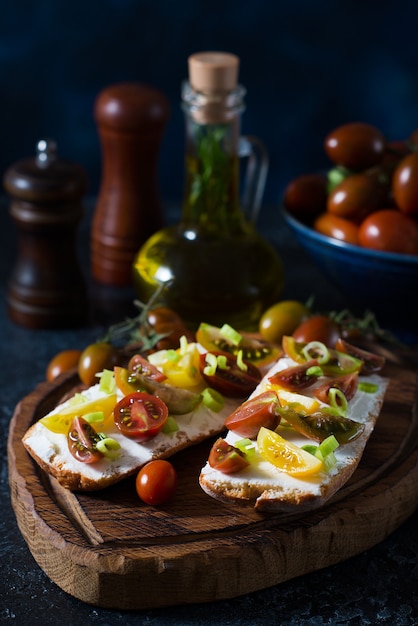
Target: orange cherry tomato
62, 362
337, 227
156, 482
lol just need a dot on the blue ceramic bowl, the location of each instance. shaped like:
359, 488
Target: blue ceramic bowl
385, 282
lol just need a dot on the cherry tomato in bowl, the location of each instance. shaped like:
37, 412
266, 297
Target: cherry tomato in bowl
156, 482
389, 230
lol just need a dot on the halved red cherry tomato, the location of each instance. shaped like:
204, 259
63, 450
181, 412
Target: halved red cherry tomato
232, 380
257, 351
82, 440
126, 381
226, 458
297, 377
141, 365
140, 415
371, 362
347, 384
156, 482
250, 416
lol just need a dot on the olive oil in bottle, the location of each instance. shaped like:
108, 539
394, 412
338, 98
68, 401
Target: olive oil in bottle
215, 265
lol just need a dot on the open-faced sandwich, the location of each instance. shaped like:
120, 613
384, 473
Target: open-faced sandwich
148, 410
302, 433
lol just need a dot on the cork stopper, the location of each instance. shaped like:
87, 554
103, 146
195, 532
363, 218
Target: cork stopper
212, 72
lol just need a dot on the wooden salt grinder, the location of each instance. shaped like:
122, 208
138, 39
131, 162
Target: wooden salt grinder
47, 287
130, 118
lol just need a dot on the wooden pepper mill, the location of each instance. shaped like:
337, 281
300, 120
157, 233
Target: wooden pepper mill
47, 287
130, 118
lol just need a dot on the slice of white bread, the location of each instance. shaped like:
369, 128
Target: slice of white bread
50, 449
268, 489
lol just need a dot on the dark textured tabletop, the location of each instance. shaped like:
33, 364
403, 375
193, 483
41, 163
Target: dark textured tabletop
379, 586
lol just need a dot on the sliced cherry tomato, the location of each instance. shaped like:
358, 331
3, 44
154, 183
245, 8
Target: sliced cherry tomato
82, 440
156, 482
141, 365
285, 455
347, 384
318, 328
259, 411
126, 381
371, 362
232, 380
257, 351
60, 422
140, 415
62, 362
322, 424
297, 377
180, 366
94, 359
338, 363
226, 458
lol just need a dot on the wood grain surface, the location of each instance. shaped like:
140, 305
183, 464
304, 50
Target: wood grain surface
110, 550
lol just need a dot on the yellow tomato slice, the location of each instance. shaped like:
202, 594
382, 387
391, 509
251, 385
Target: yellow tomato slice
60, 422
286, 456
297, 401
180, 366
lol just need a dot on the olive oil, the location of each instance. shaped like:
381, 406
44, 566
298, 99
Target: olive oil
216, 267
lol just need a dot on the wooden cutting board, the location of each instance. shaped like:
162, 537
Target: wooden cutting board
110, 550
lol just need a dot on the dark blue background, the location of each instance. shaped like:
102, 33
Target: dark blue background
308, 66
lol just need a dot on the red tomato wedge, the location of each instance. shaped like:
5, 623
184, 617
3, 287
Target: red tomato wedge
82, 440
346, 384
297, 377
226, 458
256, 412
230, 378
140, 416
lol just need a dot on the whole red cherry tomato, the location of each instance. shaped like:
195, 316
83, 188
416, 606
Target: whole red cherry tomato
318, 328
356, 146
389, 230
357, 196
337, 227
62, 362
405, 184
156, 482
306, 195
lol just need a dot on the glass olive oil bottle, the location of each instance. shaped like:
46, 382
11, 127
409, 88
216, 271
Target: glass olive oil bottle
216, 267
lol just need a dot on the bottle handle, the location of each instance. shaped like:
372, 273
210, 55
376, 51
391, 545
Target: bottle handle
255, 152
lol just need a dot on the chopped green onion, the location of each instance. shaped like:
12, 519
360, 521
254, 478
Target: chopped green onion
170, 426
311, 448
242, 366
316, 350
93, 418
77, 398
212, 364
315, 370
247, 446
231, 334
107, 381
368, 387
184, 344
212, 399
172, 355
222, 362
108, 446
338, 400
328, 445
